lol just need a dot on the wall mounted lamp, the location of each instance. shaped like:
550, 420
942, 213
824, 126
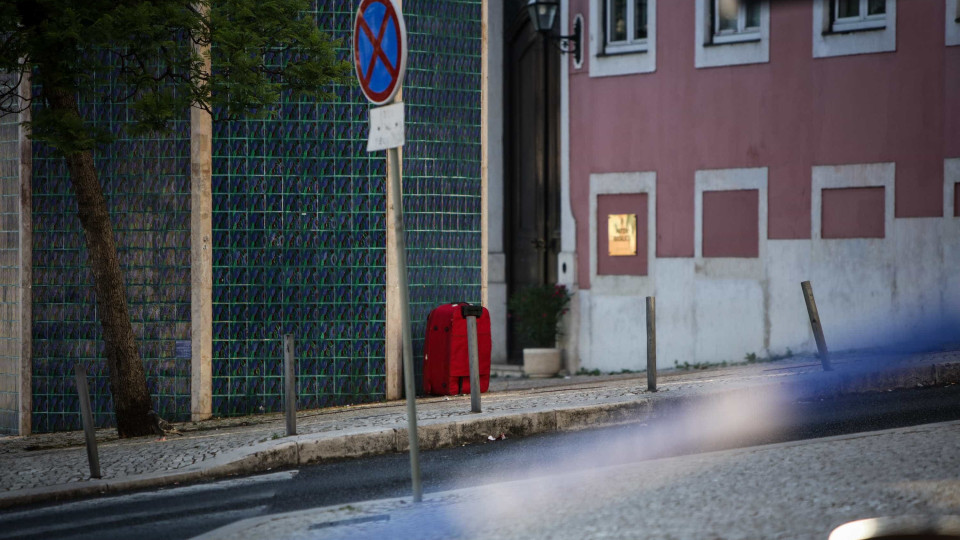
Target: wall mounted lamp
543, 16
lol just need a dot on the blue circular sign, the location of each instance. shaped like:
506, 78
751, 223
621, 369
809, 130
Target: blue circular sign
379, 49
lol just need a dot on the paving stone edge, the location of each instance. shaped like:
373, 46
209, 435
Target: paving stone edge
317, 448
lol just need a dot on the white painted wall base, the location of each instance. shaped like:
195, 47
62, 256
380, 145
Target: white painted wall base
901, 291
497, 305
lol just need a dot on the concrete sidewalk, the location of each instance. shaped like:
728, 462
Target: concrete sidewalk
54, 466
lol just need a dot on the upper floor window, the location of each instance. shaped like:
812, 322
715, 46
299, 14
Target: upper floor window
625, 26
735, 20
953, 23
845, 27
622, 37
851, 15
731, 32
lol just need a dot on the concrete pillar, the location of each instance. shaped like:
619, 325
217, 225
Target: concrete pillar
201, 260
567, 258
484, 151
393, 330
493, 271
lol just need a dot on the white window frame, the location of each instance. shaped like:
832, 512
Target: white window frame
624, 183
642, 59
742, 33
753, 178
951, 176
859, 175
747, 48
828, 42
630, 44
860, 22
953, 23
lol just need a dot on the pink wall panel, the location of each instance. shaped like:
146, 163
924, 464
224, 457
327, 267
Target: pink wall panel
632, 203
730, 223
790, 114
853, 213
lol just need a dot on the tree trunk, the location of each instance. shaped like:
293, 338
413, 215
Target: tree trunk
128, 383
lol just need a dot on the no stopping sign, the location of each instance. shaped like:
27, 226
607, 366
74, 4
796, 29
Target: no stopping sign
379, 49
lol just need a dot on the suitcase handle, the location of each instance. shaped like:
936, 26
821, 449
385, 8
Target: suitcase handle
468, 310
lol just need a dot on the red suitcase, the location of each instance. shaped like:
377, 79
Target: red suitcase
446, 360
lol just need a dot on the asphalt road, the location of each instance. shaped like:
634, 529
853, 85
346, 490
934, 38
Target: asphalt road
187, 511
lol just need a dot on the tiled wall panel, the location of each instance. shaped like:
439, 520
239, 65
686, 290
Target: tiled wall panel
441, 165
299, 221
9, 274
146, 181
299, 236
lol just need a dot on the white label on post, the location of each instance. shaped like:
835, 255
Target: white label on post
386, 127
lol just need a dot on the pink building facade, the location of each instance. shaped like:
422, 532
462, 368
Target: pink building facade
760, 144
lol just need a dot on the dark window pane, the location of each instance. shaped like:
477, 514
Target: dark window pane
876, 7
753, 13
727, 15
640, 19
618, 20
848, 8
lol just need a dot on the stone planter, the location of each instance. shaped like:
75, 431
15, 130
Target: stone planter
541, 363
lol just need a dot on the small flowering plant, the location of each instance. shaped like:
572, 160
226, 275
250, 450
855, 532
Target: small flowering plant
536, 313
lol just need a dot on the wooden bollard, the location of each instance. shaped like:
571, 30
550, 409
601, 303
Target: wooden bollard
86, 414
289, 385
815, 324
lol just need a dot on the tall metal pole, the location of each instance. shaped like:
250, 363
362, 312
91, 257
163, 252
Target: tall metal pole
409, 388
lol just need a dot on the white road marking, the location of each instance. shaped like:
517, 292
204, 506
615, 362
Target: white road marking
159, 494
100, 520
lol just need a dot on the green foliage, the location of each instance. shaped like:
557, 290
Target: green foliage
749, 358
536, 313
157, 52
687, 366
752, 358
592, 372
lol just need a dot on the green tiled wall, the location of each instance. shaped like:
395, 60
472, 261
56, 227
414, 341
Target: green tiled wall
9, 273
147, 185
298, 236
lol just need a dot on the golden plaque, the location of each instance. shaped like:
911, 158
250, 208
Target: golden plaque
622, 234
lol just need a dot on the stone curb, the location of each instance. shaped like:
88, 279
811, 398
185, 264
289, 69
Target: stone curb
317, 448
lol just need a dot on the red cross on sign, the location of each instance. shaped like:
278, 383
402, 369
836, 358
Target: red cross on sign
379, 49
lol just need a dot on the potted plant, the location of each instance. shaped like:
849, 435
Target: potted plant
536, 313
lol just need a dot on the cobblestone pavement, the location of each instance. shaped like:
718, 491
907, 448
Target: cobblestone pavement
60, 458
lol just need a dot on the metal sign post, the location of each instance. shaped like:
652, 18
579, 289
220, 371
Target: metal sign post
380, 59
393, 171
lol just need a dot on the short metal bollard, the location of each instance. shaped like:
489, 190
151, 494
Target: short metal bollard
470, 313
86, 413
651, 344
289, 385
